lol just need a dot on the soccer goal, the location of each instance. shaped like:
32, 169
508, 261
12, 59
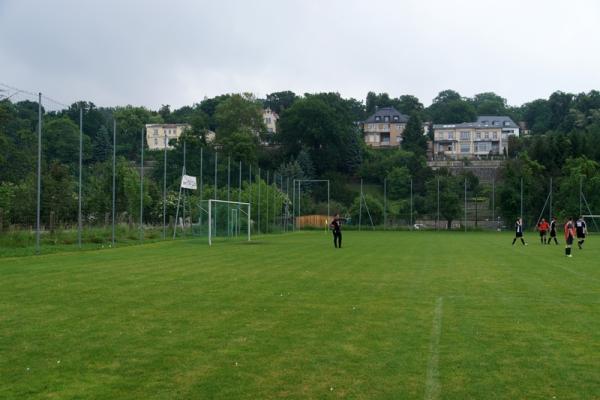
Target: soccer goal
228, 218
593, 218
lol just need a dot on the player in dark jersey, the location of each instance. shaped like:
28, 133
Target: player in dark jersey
543, 229
569, 236
581, 230
519, 232
552, 231
336, 229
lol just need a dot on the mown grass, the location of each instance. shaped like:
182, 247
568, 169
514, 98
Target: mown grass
291, 317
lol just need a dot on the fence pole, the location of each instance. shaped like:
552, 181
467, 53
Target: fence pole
465, 204
39, 176
293, 205
267, 197
522, 200
184, 190
550, 208
228, 194
411, 204
142, 190
165, 188
328, 206
437, 219
79, 222
299, 201
494, 200
239, 217
360, 206
201, 189
258, 208
250, 190
287, 207
114, 180
580, 194
384, 203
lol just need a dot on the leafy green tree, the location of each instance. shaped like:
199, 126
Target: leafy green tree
489, 103
7, 200
239, 126
130, 123
450, 204
576, 171
535, 189
409, 105
538, 116
375, 101
321, 124
61, 139
450, 108
93, 119
398, 183
413, 138
372, 210
280, 101
58, 193
102, 147
239, 113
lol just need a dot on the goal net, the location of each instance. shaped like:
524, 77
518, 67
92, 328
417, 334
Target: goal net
228, 219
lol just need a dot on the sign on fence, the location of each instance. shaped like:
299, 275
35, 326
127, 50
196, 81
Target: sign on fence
188, 182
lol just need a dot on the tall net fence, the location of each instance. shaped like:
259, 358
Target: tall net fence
60, 187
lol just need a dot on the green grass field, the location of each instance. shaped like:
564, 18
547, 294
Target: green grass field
392, 315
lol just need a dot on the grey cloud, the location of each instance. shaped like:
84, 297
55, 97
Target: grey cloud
152, 53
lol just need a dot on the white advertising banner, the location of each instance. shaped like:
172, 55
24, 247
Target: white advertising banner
188, 182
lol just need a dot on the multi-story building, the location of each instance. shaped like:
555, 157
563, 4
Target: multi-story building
270, 119
487, 136
156, 133
384, 128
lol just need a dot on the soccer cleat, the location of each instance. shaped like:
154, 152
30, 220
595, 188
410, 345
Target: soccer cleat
570, 255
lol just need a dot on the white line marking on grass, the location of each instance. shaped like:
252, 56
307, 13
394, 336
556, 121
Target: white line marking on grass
579, 274
432, 384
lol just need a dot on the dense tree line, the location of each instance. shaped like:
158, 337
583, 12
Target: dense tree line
319, 136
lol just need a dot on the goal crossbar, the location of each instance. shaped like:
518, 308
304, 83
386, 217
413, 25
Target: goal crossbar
210, 220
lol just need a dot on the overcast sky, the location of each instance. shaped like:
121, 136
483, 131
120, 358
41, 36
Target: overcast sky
177, 52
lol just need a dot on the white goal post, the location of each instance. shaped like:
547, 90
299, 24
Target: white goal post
237, 203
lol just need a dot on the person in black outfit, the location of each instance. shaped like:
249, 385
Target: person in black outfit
581, 230
336, 228
553, 231
519, 232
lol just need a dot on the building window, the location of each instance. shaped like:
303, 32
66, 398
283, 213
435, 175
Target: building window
377, 119
396, 118
370, 127
398, 139
267, 120
156, 141
465, 136
483, 147
487, 135
386, 119
450, 135
495, 135
465, 148
478, 135
155, 132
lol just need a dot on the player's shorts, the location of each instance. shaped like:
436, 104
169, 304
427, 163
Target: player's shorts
519, 234
569, 240
552, 233
543, 233
580, 235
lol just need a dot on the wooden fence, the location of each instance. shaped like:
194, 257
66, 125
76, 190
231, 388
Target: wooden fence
313, 221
